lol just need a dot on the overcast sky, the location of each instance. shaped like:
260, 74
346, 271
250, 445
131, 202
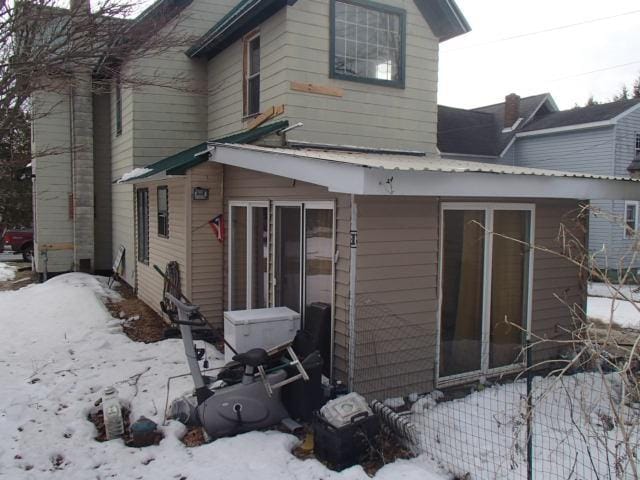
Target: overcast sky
475, 70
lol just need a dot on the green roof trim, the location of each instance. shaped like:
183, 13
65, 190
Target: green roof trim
179, 163
241, 19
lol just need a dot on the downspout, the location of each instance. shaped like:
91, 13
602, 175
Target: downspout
353, 244
72, 157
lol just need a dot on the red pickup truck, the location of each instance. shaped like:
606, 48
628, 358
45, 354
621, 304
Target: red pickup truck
18, 241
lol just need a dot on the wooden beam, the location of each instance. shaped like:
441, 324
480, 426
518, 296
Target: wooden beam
317, 89
268, 114
45, 247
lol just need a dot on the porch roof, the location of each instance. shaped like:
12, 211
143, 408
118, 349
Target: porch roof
180, 162
402, 174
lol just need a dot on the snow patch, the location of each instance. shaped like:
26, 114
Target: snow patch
622, 313
62, 347
7, 272
135, 173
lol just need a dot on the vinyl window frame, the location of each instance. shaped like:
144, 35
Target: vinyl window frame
142, 225
248, 205
401, 13
626, 233
247, 76
164, 213
489, 209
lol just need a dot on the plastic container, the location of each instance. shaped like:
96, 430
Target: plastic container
143, 432
343, 447
259, 328
112, 412
342, 410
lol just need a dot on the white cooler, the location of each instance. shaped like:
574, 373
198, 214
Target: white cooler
259, 328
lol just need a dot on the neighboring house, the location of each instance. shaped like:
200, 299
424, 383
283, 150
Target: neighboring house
600, 139
316, 144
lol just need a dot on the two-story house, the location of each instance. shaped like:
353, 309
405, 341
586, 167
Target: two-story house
306, 169
602, 139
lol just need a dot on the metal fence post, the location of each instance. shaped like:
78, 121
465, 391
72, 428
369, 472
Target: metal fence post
529, 413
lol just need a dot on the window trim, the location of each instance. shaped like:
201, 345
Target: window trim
118, 105
625, 232
142, 257
246, 44
489, 208
400, 83
166, 213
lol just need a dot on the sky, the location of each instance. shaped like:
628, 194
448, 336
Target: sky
480, 67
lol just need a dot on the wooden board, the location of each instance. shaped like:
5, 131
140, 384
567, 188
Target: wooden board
56, 246
268, 114
317, 89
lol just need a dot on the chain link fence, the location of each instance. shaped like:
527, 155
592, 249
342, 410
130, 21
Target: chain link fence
579, 423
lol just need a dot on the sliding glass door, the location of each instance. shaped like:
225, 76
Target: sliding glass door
288, 250
485, 287
248, 255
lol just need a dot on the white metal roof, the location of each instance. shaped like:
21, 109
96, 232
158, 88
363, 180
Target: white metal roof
397, 174
415, 162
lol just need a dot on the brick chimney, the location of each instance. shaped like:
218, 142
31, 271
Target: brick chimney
634, 166
511, 110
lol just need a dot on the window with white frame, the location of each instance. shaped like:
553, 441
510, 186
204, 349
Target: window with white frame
248, 255
163, 211
485, 275
630, 219
142, 207
637, 143
252, 74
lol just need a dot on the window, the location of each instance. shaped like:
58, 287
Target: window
251, 98
630, 219
163, 212
637, 143
367, 42
118, 106
142, 203
485, 280
248, 255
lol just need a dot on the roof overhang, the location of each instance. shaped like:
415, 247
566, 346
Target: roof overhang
450, 181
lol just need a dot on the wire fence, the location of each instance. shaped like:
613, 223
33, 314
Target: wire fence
582, 423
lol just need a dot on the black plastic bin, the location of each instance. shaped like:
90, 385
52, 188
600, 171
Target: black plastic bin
302, 398
343, 447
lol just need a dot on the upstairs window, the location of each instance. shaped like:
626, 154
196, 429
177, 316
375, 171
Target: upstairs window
118, 106
251, 98
630, 219
163, 212
367, 42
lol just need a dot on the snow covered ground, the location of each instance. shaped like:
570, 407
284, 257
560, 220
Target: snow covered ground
61, 347
7, 272
603, 305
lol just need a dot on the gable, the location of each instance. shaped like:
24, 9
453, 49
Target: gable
443, 16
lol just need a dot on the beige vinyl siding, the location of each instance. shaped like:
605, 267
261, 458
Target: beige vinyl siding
242, 184
164, 250
396, 295
122, 197
397, 289
102, 180
206, 252
52, 186
224, 73
367, 115
163, 114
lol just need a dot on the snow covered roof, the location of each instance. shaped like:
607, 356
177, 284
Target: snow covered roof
398, 174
